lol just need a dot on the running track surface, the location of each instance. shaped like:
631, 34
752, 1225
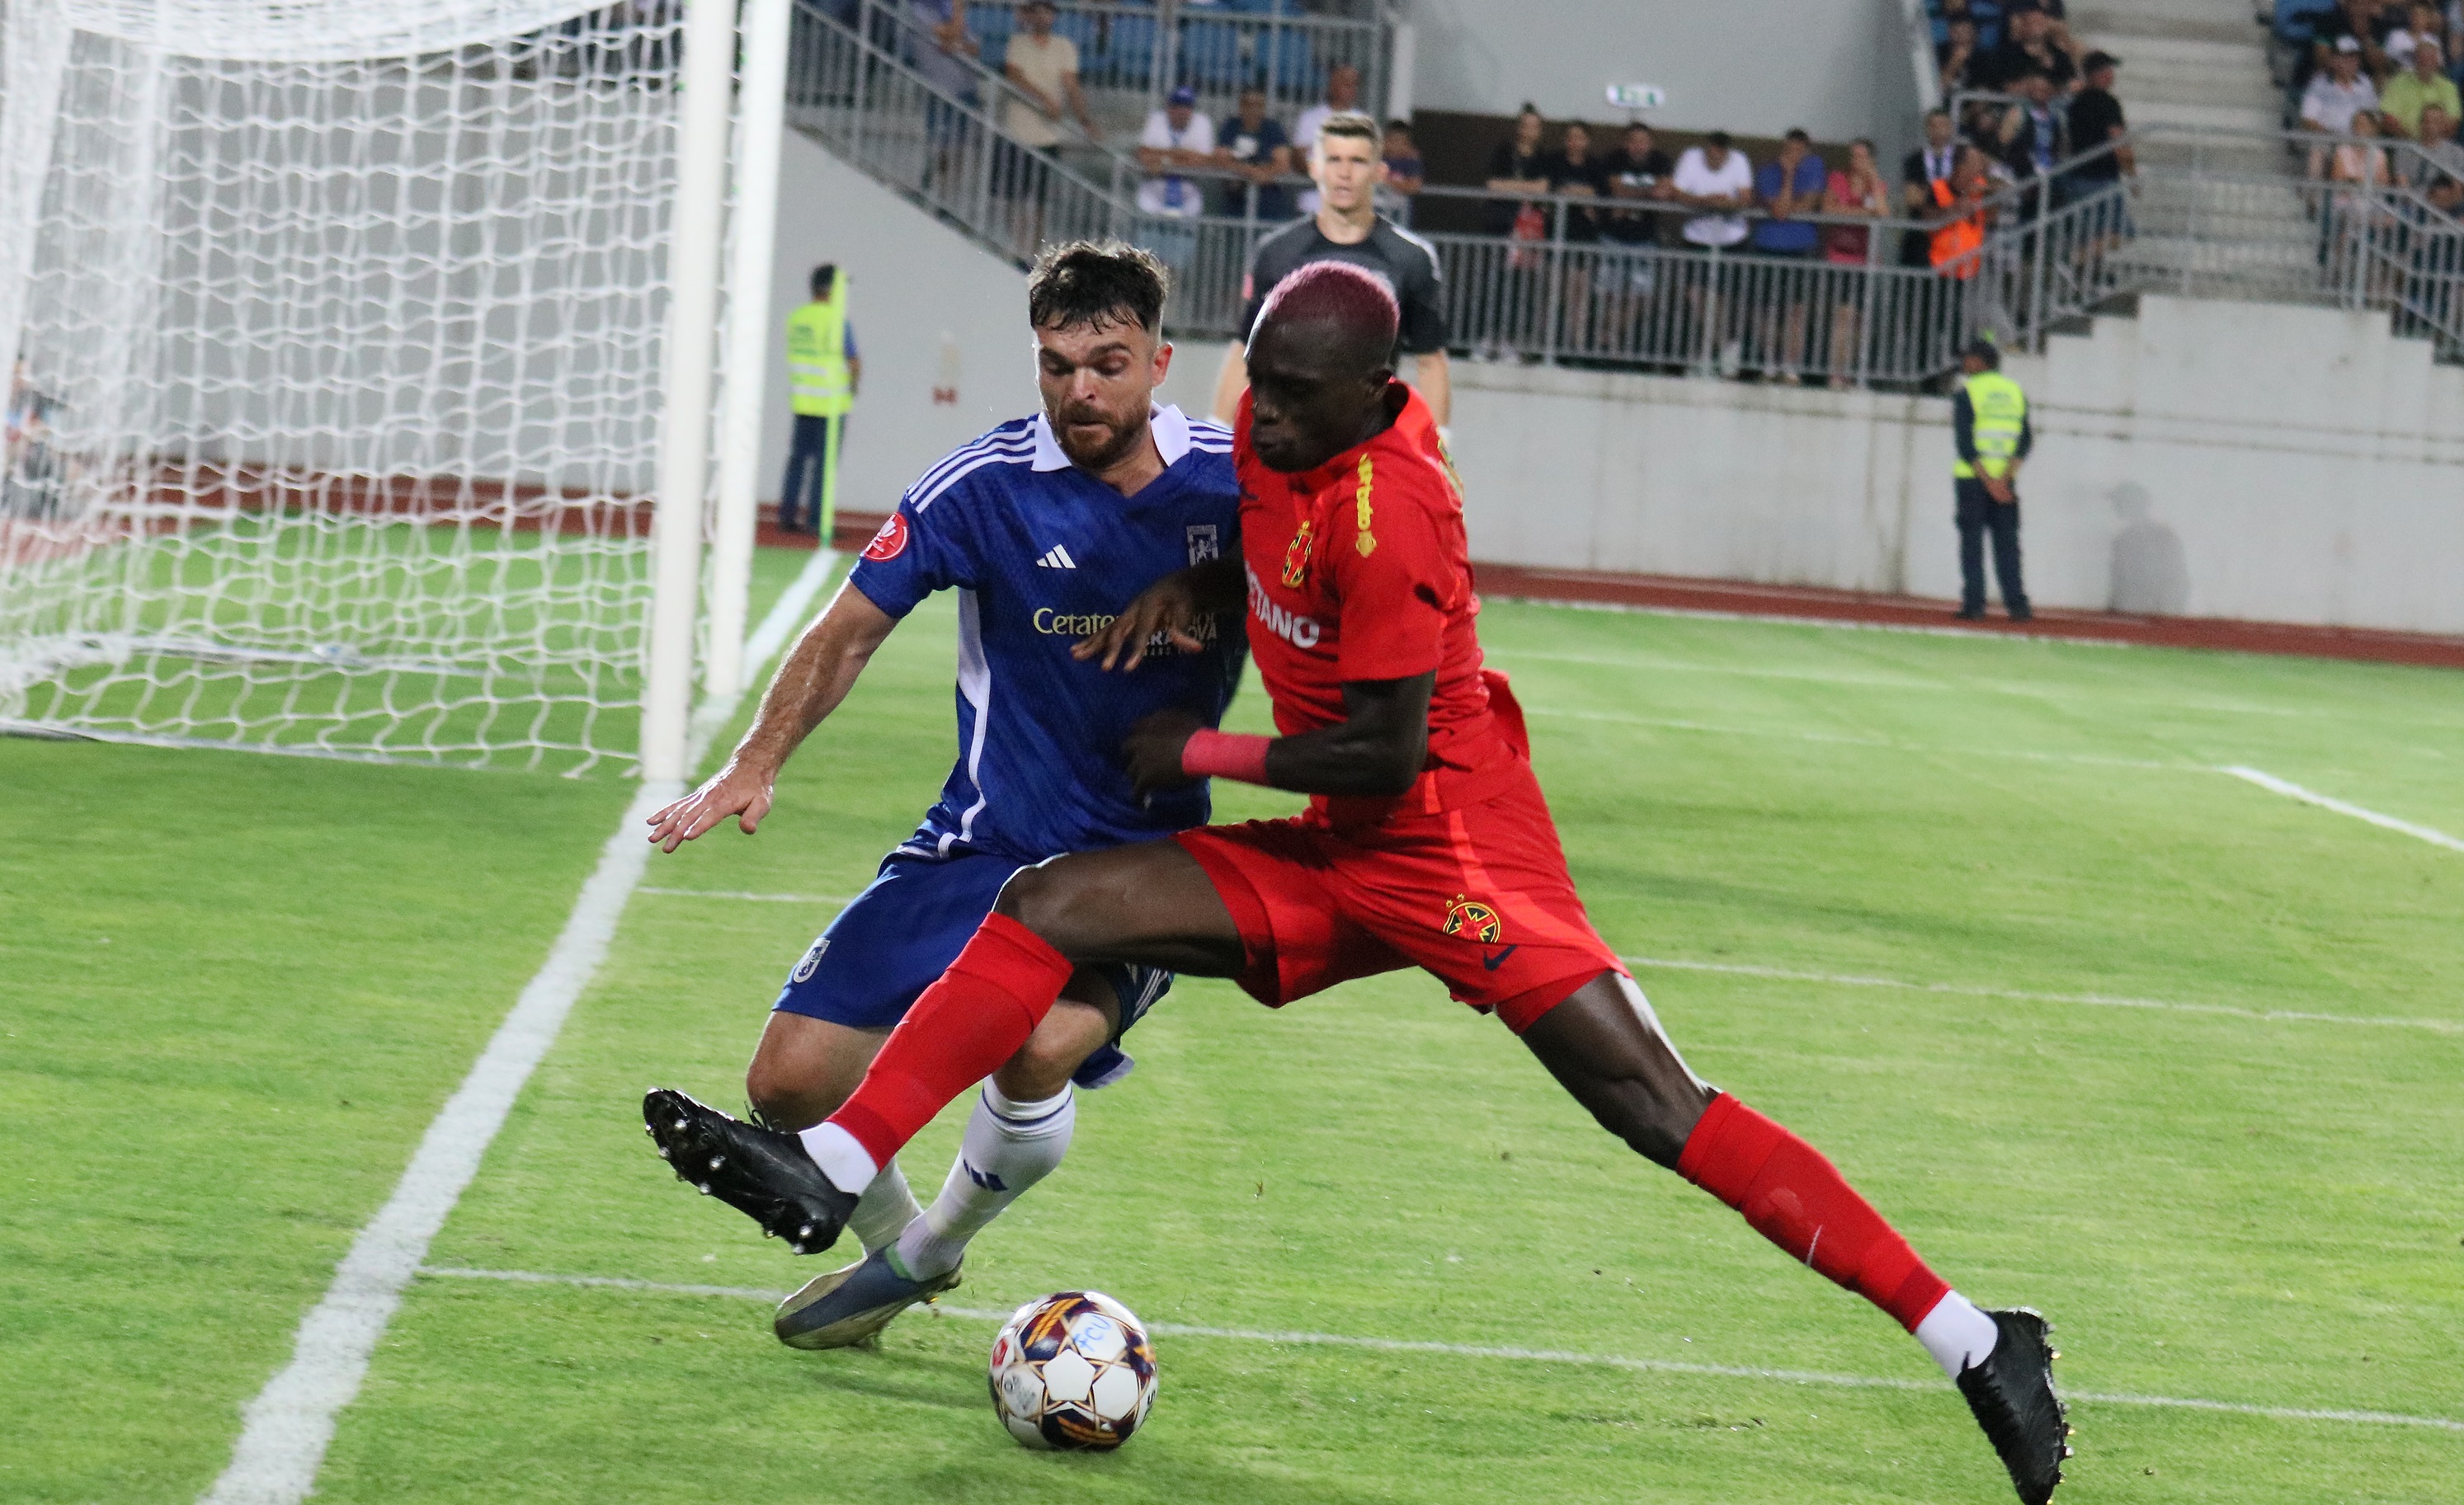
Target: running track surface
1813, 603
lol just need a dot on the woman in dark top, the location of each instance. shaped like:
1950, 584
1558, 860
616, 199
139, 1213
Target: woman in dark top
1517, 167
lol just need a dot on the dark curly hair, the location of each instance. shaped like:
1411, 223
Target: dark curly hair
1096, 282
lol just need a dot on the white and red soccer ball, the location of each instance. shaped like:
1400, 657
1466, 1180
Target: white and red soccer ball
1072, 1371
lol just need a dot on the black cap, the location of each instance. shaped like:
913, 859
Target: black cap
1985, 350
2095, 60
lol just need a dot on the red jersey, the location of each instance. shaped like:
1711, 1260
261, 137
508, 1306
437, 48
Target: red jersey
1359, 570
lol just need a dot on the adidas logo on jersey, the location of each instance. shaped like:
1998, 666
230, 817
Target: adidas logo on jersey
1057, 558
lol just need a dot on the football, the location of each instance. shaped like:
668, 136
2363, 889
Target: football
1072, 1371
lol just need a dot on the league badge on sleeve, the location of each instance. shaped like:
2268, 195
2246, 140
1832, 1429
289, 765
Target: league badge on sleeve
889, 543
1205, 542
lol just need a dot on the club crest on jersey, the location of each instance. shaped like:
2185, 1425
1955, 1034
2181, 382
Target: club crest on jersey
804, 969
1473, 921
890, 542
1296, 554
1205, 542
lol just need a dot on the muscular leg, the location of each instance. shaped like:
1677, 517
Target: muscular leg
1608, 1050
1149, 905
1606, 1047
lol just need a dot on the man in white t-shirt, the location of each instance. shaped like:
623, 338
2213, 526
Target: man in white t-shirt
1342, 98
1178, 135
1713, 176
2340, 92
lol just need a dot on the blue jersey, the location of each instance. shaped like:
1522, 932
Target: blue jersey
1043, 555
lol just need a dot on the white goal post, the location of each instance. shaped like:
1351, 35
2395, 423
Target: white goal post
366, 369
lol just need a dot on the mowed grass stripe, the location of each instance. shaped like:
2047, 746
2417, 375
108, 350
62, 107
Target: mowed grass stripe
1408, 1346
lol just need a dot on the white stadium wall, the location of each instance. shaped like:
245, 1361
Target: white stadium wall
2233, 460
1839, 68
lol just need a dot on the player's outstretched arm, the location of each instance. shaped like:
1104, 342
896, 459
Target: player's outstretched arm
817, 675
1172, 607
1377, 749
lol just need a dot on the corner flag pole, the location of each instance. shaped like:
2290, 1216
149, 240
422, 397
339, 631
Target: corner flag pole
684, 448
761, 115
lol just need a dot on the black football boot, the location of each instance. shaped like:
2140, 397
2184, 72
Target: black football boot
2011, 1393
761, 1172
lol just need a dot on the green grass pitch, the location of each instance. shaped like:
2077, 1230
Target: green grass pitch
2100, 1028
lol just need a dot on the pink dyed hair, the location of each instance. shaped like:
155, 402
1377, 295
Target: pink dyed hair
1354, 299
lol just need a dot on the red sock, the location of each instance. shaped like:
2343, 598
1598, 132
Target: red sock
1799, 1201
964, 1026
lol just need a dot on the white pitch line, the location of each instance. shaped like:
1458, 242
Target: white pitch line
730, 893
289, 1425
2293, 791
2099, 1000
1514, 1355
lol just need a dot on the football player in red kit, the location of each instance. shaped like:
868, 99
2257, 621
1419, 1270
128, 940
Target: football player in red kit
1426, 844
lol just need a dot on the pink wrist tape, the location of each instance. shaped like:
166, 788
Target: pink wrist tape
1226, 754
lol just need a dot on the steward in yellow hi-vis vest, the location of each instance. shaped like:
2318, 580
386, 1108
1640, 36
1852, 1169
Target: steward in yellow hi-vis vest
1988, 423
822, 369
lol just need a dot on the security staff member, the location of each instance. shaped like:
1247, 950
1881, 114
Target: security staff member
823, 370
1989, 422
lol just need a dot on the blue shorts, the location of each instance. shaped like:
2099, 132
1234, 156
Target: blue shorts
906, 928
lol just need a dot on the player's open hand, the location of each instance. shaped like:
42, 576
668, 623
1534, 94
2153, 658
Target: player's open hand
1153, 751
1168, 609
737, 790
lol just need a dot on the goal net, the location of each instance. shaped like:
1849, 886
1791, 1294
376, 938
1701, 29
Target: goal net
335, 403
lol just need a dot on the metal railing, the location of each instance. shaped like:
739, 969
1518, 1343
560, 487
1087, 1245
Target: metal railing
1214, 48
1619, 283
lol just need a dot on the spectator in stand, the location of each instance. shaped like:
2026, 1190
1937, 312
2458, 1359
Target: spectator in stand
939, 47
2362, 217
2335, 96
2034, 134
1254, 149
1637, 172
2441, 159
1043, 69
2030, 44
2363, 23
2096, 122
1517, 165
2416, 89
1856, 191
1714, 177
1789, 185
1575, 173
1928, 164
1406, 174
1342, 98
1178, 135
1957, 60
2420, 21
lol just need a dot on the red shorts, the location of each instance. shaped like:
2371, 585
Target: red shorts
1479, 897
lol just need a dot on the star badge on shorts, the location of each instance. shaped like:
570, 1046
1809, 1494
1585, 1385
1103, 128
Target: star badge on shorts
1473, 921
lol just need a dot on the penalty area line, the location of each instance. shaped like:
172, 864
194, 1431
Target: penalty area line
288, 1425
1511, 1355
2293, 791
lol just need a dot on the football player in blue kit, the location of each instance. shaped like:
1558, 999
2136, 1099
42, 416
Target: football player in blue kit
1046, 527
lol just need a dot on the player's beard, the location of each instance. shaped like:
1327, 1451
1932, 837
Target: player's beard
1123, 435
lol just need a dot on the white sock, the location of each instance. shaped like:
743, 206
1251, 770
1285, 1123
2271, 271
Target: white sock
1957, 1334
1010, 1148
841, 1156
885, 1208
